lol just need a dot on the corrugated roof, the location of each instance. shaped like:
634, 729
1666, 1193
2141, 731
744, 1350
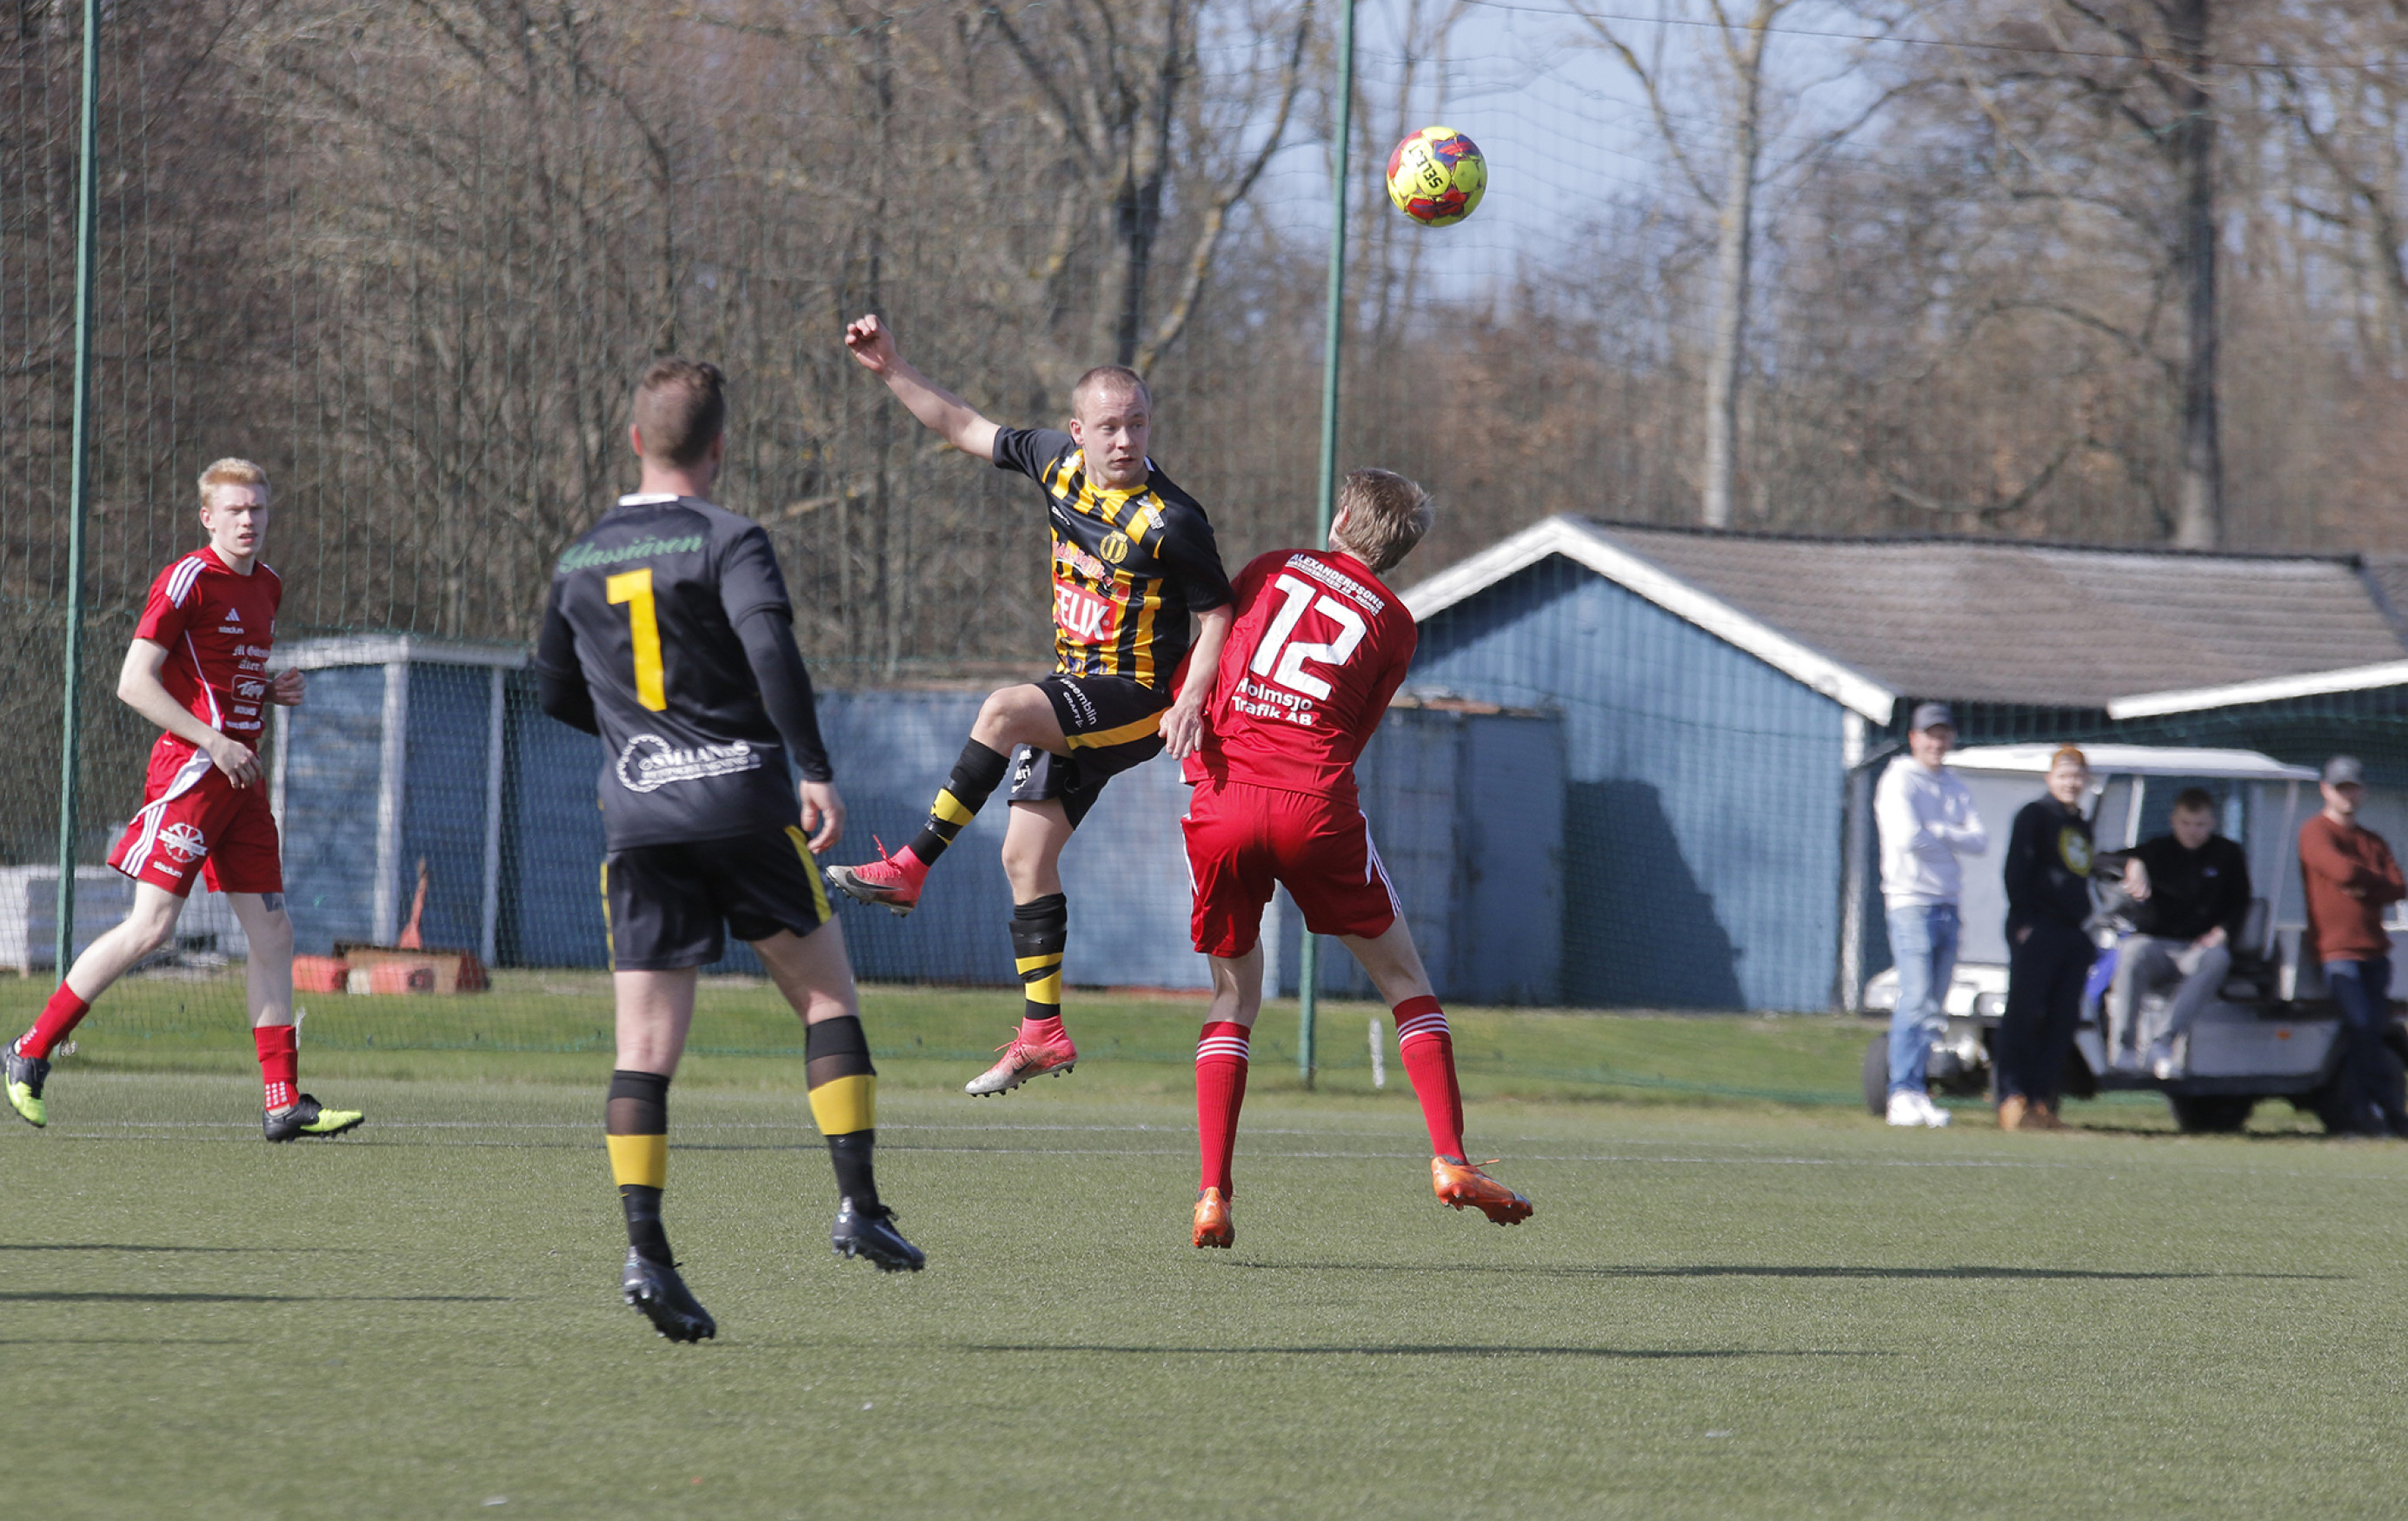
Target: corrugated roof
2388, 574
2001, 622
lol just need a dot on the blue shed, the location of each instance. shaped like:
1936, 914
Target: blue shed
396, 757
1727, 700
411, 749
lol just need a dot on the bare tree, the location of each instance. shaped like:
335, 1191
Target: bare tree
1742, 39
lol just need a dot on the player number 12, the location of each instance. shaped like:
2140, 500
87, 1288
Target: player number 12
1284, 662
634, 588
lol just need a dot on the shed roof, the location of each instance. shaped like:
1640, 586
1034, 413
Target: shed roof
2133, 760
1869, 621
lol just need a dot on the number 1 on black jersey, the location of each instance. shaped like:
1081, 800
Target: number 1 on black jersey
634, 588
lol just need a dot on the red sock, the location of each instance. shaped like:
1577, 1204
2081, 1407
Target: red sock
1041, 1032
1428, 1051
279, 1062
1220, 1090
60, 1015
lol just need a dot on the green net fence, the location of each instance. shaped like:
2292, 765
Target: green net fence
410, 257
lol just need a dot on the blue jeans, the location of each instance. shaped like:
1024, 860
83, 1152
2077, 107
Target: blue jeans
2370, 1089
1924, 940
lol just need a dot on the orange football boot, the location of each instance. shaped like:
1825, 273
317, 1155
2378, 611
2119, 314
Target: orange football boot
891, 880
1459, 1184
1021, 1061
1213, 1227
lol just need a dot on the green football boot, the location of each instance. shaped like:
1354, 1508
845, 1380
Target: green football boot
305, 1116
26, 1075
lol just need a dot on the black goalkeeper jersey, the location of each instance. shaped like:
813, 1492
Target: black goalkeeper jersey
1128, 566
645, 608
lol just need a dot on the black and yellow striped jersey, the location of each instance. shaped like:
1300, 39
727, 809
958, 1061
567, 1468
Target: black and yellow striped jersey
1129, 567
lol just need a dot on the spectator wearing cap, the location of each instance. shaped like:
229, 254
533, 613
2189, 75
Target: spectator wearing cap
1926, 820
2191, 888
2047, 871
2350, 875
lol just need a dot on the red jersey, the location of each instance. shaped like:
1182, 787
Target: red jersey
217, 627
1318, 647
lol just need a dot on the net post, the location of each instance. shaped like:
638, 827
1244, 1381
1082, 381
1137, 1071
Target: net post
79, 480
1308, 992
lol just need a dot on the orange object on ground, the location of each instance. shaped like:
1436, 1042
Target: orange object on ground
377, 969
319, 975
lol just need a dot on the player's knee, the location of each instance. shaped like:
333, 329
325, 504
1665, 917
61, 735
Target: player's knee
1029, 865
272, 935
150, 929
1009, 716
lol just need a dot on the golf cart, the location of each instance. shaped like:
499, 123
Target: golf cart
2272, 1032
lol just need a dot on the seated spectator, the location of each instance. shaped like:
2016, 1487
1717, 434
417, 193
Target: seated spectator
2191, 892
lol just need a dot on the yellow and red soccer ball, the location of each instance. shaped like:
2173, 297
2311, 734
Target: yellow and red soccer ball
1437, 177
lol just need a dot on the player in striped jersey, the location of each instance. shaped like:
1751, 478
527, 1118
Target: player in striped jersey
198, 669
1133, 558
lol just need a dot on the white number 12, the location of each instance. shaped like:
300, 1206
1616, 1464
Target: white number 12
1283, 662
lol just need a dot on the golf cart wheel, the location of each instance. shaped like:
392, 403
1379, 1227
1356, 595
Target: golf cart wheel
1877, 1076
2211, 1113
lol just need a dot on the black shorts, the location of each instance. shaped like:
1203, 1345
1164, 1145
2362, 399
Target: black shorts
1112, 724
668, 907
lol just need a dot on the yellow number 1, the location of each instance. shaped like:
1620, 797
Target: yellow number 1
634, 588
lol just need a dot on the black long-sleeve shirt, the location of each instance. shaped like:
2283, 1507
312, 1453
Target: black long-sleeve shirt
2192, 892
670, 633
2049, 858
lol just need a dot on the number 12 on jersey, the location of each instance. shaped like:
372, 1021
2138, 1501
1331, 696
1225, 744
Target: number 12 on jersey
1284, 662
635, 589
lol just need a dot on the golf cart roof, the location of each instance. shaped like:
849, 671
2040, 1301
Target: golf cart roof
2134, 760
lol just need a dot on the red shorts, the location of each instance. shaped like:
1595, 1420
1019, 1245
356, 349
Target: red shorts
196, 821
1243, 840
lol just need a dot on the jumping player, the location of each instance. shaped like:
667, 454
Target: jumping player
198, 668
1133, 557
1319, 648
669, 633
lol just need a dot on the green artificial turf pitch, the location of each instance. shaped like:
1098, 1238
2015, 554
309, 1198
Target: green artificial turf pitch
1725, 1306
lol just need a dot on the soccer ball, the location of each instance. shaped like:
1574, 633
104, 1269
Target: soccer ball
1437, 177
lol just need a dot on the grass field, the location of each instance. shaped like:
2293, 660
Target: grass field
1731, 1302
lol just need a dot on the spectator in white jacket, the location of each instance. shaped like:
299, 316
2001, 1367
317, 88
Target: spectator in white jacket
1926, 820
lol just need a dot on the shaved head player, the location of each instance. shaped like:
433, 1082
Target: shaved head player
1133, 560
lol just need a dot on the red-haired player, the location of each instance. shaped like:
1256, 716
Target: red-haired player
198, 668
1318, 649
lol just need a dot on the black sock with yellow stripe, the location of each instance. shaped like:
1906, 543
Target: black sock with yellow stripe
1039, 929
637, 1124
975, 777
844, 1104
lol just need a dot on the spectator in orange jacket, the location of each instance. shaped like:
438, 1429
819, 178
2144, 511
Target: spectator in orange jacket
2350, 875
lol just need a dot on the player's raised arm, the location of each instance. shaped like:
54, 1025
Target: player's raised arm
139, 688
949, 415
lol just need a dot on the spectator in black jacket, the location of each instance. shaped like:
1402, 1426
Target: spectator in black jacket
2048, 870
2192, 893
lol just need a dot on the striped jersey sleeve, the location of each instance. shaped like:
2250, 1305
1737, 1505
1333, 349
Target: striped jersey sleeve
166, 613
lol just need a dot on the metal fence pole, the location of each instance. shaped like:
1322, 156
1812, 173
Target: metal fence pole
1308, 992
79, 480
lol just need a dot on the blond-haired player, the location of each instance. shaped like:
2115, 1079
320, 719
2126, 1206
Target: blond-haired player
198, 668
1320, 646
